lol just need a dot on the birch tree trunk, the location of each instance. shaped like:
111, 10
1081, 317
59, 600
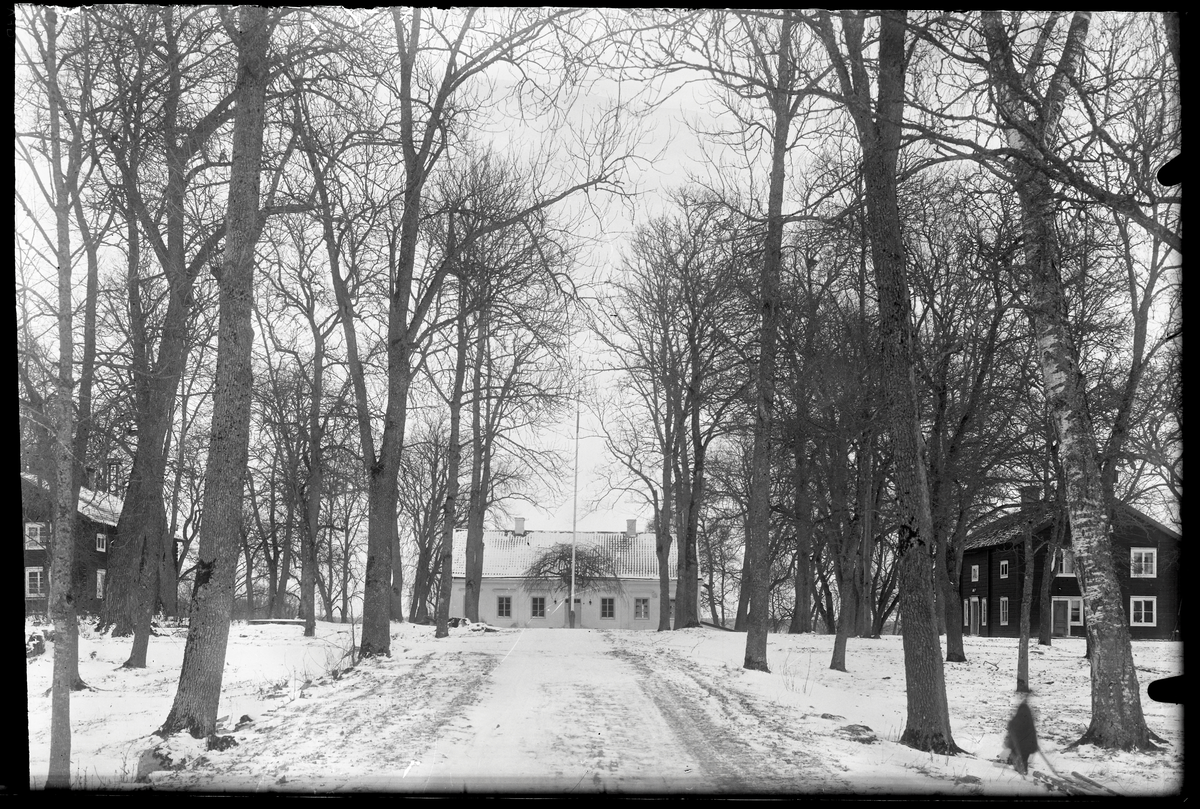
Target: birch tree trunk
1117, 717
199, 692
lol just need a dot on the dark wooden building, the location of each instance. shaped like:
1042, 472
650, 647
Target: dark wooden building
95, 533
1147, 558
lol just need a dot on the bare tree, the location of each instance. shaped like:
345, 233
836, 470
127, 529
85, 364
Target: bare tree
1031, 124
562, 567
675, 328
195, 705
65, 488
878, 122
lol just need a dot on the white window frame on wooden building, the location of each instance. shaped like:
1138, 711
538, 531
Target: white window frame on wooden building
37, 535
1137, 617
42, 581
1003, 610
1143, 563
1004, 568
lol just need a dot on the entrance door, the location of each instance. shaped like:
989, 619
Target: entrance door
1060, 613
974, 615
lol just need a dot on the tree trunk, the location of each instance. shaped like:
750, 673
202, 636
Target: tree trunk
65, 493
928, 720
454, 451
802, 605
744, 581
140, 556
865, 496
312, 492
1045, 602
418, 611
396, 610
1117, 718
950, 618
1026, 610
758, 534
686, 594
955, 651
199, 692
662, 550
477, 505
846, 621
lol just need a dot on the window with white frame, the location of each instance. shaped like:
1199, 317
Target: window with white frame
1004, 568
1003, 610
1143, 611
966, 613
1143, 563
1064, 564
100, 583
537, 607
983, 612
974, 572
608, 608
504, 606
35, 582
37, 534
641, 608
102, 542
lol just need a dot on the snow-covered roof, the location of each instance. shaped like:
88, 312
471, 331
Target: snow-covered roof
99, 507
509, 555
1009, 528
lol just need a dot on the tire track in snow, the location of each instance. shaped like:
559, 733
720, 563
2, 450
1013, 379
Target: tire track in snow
746, 744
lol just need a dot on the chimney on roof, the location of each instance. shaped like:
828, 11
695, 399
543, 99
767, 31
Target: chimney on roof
631, 528
1030, 497
519, 526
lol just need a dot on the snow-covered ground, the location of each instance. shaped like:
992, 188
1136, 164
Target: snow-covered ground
557, 710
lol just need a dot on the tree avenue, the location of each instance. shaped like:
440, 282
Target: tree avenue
312, 294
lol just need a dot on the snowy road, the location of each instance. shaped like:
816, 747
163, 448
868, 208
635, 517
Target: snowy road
562, 711
596, 715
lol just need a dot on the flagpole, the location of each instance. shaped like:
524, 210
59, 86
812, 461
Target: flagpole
574, 515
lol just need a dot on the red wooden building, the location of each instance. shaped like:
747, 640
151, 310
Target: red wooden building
95, 533
1146, 554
